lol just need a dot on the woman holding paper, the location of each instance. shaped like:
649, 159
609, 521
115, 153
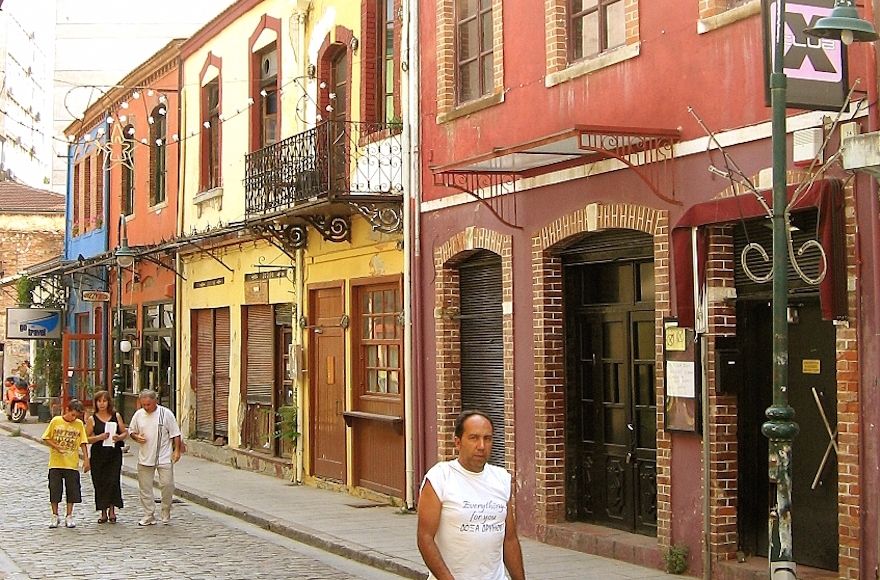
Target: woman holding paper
106, 431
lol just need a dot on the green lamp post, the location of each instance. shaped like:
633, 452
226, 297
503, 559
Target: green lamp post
124, 259
845, 25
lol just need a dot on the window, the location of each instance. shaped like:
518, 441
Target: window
595, 26
126, 359
268, 97
87, 196
99, 189
386, 83
158, 147
211, 135
128, 171
380, 339
77, 191
473, 49
158, 329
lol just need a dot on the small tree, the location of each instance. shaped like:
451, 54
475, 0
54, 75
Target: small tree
47, 360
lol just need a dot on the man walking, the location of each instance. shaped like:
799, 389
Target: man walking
466, 527
155, 429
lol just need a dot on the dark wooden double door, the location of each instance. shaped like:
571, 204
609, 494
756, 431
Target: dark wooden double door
611, 401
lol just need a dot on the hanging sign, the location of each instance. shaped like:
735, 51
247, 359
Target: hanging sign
33, 323
95, 296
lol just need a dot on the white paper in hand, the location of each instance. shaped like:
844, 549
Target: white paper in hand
110, 427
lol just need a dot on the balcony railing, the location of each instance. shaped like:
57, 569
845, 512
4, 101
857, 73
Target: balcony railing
335, 161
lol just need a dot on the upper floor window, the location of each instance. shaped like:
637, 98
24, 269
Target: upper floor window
158, 147
211, 135
473, 49
127, 165
387, 82
268, 97
595, 26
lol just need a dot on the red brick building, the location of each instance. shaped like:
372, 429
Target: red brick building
573, 206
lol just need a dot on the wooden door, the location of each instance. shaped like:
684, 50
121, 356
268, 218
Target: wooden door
327, 383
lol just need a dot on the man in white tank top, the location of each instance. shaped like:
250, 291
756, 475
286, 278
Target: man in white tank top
466, 528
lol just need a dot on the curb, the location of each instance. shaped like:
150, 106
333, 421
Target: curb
303, 534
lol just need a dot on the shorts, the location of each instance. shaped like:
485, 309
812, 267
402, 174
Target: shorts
69, 479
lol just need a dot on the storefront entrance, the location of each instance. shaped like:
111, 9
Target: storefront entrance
813, 395
611, 433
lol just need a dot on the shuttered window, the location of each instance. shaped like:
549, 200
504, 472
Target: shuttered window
211, 372
260, 350
482, 346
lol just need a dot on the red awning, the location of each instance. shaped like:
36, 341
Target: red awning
825, 195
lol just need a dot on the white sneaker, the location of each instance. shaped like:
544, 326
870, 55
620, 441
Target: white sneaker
54, 522
147, 521
68, 521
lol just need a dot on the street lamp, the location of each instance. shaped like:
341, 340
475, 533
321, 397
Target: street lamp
124, 259
845, 25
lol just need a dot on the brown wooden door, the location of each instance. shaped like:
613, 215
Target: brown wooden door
327, 383
210, 371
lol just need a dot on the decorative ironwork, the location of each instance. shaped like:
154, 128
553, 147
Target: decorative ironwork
490, 188
384, 217
336, 159
287, 237
332, 229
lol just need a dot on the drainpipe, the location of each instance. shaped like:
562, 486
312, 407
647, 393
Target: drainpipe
411, 246
298, 352
707, 487
178, 261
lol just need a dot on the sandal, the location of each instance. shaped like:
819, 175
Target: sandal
113, 520
102, 520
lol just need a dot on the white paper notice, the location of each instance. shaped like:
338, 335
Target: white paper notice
110, 427
680, 379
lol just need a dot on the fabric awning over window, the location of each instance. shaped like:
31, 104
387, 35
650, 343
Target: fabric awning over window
825, 195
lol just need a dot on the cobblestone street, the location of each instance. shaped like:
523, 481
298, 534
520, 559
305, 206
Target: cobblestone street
198, 544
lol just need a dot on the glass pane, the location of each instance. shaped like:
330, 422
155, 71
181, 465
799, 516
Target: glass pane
611, 383
382, 352
644, 340
378, 304
129, 319
465, 8
647, 429
615, 426
383, 381
394, 382
372, 382
151, 317
368, 302
589, 34
390, 327
468, 82
486, 63
486, 37
167, 317
394, 357
587, 421
468, 40
577, 38
372, 356
646, 281
368, 327
614, 340
644, 386
615, 24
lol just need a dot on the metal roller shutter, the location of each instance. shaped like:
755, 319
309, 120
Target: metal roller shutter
221, 372
482, 346
260, 376
203, 379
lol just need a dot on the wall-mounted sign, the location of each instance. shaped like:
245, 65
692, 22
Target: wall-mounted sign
95, 296
33, 323
811, 366
682, 378
209, 283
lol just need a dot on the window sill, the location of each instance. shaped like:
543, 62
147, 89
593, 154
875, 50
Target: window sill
582, 68
208, 195
158, 207
471, 107
728, 17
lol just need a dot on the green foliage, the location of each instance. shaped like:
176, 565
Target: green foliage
24, 288
287, 426
675, 559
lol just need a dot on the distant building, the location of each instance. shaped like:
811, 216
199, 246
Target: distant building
31, 232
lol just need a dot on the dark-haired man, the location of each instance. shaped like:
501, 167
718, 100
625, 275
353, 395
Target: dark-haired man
466, 527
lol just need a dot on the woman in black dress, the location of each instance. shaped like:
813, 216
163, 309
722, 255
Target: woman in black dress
106, 460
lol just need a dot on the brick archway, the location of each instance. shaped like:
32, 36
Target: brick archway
550, 357
447, 258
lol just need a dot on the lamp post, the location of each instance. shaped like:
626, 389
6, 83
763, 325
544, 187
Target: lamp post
842, 24
124, 259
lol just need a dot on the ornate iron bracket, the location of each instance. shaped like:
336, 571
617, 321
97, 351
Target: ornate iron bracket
384, 217
286, 238
493, 184
332, 229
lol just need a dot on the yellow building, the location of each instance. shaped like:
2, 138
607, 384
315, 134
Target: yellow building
291, 204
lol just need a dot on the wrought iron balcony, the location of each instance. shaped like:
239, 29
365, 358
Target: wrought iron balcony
338, 163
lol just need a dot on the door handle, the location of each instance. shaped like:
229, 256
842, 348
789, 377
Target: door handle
338, 411
629, 457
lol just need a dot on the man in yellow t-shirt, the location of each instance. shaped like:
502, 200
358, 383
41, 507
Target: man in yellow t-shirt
66, 435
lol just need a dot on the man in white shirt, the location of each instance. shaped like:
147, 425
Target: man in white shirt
466, 527
155, 429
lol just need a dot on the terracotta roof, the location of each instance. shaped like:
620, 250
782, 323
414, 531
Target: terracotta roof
18, 198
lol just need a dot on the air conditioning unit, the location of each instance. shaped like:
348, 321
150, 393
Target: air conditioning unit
808, 146
268, 65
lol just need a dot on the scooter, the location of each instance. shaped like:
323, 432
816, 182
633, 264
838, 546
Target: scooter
18, 398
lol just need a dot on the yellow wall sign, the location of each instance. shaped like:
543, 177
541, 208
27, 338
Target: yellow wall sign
675, 339
811, 366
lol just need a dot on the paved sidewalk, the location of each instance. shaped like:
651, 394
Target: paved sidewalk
381, 536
